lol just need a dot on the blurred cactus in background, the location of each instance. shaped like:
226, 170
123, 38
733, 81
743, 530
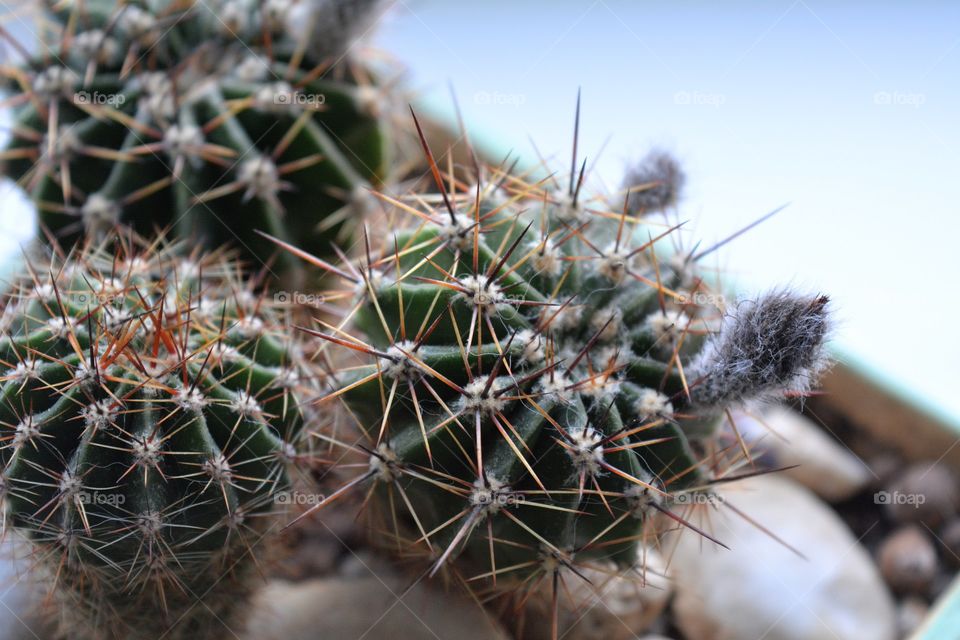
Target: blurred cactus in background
212, 119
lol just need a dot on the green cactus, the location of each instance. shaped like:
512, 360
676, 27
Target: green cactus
149, 415
212, 119
530, 376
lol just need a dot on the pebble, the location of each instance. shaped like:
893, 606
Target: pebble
822, 464
924, 492
911, 612
373, 608
908, 560
762, 589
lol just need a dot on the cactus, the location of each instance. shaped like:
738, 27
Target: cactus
149, 415
212, 119
539, 375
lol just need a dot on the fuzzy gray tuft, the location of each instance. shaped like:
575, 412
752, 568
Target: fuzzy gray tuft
334, 24
663, 171
766, 348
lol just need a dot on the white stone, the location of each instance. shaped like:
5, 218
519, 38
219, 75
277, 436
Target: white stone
823, 465
373, 607
762, 589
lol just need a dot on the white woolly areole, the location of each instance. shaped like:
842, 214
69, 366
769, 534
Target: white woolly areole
667, 326
545, 258
149, 524
138, 24
401, 366
218, 468
652, 404
608, 322
99, 212
158, 95
190, 399
95, 45
99, 415
458, 232
252, 68
585, 451
369, 100
115, 317
477, 398
146, 451
64, 146
45, 291
384, 464
614, 264
276, 97
54, 82
566, 211
275, 13
221, 353
641, 499
287, 378
490, 496
25, 432
246, 405
557, 385
26, 369
83, 375
185, 140
69, 485
560, 317
233, 17
533, 345
260, 176
482, 292
58, 327
249, 327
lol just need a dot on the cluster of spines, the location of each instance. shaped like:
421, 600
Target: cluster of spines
150, 412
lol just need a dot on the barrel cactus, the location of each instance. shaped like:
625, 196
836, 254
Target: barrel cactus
538, 374
150, 412
211, 119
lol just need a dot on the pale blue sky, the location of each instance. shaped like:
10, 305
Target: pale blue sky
850, 111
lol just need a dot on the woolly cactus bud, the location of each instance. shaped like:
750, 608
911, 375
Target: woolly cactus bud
332, 26
140, 465
654, 183
767, 347
193, 116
